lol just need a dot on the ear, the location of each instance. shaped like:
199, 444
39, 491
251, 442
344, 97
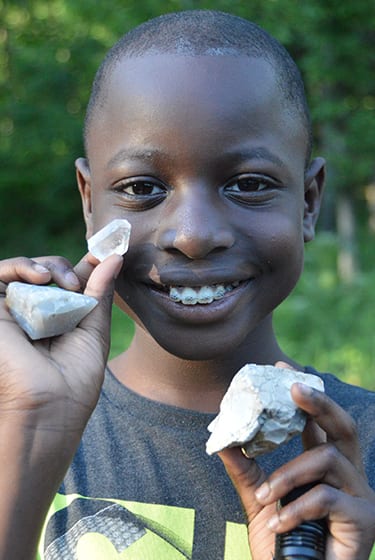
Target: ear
314, 187
84, 185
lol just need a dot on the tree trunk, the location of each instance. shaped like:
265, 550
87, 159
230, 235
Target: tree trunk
347, 264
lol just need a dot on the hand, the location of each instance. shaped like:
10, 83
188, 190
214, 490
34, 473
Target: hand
66, 370
332, 460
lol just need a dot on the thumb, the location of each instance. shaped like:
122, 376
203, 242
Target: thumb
101, 285
246, 476
84, 268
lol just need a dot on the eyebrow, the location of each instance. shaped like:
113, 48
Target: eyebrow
151, 153
129, 155
258, 153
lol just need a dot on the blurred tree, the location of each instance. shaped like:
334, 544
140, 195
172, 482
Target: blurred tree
40, 125
50, 49
339, 63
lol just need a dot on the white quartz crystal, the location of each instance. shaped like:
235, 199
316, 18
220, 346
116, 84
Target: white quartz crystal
112, 239
44, 311
257, 412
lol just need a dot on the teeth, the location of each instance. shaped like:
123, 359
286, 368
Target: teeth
189, 296
205, 295
202, 294
221, 291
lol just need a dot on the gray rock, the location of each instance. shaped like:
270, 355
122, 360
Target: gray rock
44, 311
257, 412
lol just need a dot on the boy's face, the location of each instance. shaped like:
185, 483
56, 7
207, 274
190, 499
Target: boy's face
204, 159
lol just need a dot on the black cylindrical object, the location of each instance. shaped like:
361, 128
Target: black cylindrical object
305, 542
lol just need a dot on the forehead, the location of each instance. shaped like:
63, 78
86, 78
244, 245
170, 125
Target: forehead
162, 93
203, 73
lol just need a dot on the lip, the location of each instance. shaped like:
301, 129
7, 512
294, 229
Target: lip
193, 278
200, 313
166, 287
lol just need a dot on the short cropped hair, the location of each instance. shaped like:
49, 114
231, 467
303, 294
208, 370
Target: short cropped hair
205, 32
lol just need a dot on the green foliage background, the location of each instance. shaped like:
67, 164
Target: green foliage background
49, 52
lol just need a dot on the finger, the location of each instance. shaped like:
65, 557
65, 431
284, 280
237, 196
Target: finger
284, 365
61, 270
323, 464
22, 269
100, 282
323, 501
245, 475
312, 434
330, 417
100, 285
84, 268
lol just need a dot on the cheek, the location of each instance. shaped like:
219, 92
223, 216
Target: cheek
285, 249
103, 208
137, 264
121, 304
101, 216
275, 242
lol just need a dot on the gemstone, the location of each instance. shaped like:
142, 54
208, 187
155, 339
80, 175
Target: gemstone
45, 311
112, 239
257, 412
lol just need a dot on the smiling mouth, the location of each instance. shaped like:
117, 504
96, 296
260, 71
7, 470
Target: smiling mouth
203, 295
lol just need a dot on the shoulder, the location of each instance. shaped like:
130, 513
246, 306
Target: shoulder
360, 404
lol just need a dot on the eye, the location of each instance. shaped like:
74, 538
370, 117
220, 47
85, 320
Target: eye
251, 188
140, 188
140, 193
249, 184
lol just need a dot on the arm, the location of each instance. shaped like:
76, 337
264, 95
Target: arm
332, 460
48, 390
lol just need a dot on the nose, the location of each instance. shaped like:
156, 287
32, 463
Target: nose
195, 223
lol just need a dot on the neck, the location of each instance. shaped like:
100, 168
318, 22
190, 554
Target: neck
151, 371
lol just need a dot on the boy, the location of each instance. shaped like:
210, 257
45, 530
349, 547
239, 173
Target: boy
197, 131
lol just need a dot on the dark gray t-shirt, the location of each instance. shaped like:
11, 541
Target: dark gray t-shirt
141, 486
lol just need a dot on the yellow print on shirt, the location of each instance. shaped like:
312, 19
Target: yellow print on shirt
123, 530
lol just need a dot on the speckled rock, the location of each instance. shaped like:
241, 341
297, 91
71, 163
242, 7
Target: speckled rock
257, 412
44, 311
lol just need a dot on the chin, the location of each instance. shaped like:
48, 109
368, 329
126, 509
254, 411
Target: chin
198, 349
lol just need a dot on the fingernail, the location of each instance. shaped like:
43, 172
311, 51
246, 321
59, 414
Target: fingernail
118, 269
40, 268
72, 278
273, 522
263, 491
305, 389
